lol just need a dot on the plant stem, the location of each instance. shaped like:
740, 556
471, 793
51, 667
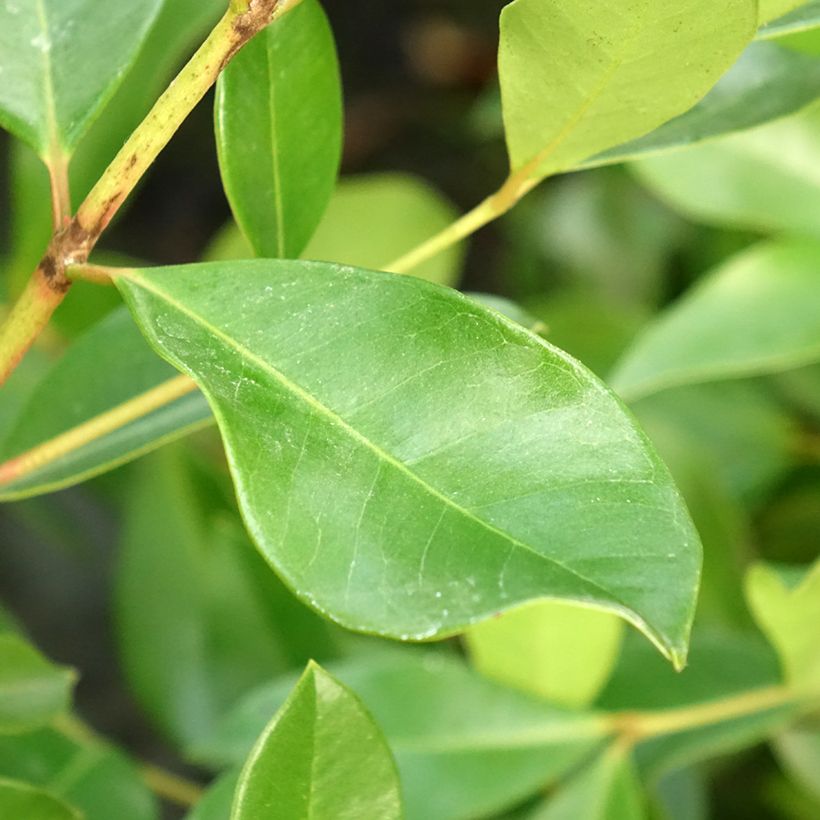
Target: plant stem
72, 242
83, 434
167, 785
60, 189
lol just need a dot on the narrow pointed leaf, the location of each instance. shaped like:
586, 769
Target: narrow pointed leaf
104, 369
562, 654
321, 758
21, 800
33, 691
355, 404
786, 604
279, 130
706, 336
576, 84
605, 789
465, 746
62, 60
804, 18
766, 83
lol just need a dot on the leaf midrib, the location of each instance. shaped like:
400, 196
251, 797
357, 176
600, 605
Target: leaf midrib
383, 455
49, 98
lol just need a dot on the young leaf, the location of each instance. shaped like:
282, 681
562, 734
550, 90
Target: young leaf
21, 800
322, 757
465, 747
200, 617
100, 781
706, 335
772, 9
90, 380
473, 467
62, 60
573, 85
786, 605
762, 179
279, 130
33, 691
560, 653
804, 18
606, 789
766, 83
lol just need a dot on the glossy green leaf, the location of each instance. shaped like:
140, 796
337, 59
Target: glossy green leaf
62, 60
786, 604
33, 691
759, 313
763, 179
771, 9
501, 469
576, 84
371, 220
322, 757
91, 379
279, 130
560, 653
606, 789
21, 800
465, 747
798, 751
766, 83
97, 779
804, 18
200, 617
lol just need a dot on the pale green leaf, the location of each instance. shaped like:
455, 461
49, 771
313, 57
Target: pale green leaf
355, 404
576, 80
772, 9
62, 61
21, 801
465, 747
91, 379
33, 691
758, 313
805, 17
786, 604
100, 781
560, 653
322, 757
279, 130
200, 617
765, 179
798, 750
605, 789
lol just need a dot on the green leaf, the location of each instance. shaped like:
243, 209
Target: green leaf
371, 220
97, 779
706, 335
321, 757
62, 61
21, 800
798, 750
89, 380
279, 130
766, 83
217, 801
200, 617
465, 747
560, 653
785, 602
606, 789
772, 9
574, 84
804, 18
501, 469
33, 691
761, 179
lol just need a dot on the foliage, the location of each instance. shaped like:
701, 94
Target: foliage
365, 459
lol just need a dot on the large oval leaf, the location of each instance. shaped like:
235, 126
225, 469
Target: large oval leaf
412, 462
578, 80
707, 336
279, 130
62, 60
322, 757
